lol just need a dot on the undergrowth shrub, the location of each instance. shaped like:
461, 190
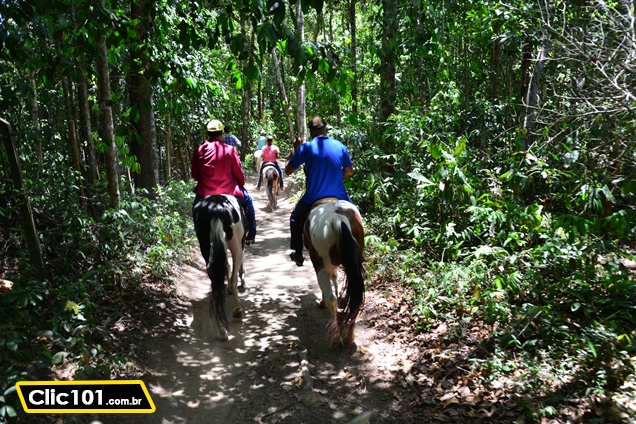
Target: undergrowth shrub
532, 246
66, 320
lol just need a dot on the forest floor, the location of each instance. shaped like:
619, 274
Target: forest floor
392, 374
256, 376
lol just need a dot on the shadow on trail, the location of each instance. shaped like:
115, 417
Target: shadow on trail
276, 366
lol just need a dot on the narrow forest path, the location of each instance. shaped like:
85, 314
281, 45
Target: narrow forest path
257, 375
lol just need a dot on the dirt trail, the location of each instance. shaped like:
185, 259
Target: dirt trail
257, 375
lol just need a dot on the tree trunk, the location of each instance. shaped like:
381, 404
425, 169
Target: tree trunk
387, 61
140, 94
283, 94
26, 213
532, 98
75, 150
495, 79
86, 132
246, 104
168, 148
35, 120
301, 113
108, 126
320, 25
246, 112
90, 170
260, 92
354, 65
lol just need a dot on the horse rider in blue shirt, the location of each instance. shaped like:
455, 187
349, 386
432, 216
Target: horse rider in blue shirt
327, 164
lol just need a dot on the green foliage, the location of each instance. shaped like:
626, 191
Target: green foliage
529, 228
537, 244
50, 325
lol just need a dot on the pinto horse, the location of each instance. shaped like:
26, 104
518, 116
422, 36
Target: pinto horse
271, 176
334, 236
220, 225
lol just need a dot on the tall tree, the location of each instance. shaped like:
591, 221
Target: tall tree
246, 100
282, 92
26, 212
35, 119
86, 132
354, 54
387, 59
144, 145
108, 125
85, 139
301, 113
532, 98
75, 150
261, 105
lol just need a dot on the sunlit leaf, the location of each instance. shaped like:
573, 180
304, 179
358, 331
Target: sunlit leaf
72, 306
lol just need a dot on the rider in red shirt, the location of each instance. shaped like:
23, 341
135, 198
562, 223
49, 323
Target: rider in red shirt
216, 168
270, 154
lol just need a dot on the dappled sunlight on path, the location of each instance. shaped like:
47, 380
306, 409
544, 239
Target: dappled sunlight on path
257, 375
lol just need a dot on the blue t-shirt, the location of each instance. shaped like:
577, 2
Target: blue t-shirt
325, 159
261, 143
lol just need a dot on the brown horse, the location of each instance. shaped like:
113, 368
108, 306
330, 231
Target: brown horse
334, 236
272, 178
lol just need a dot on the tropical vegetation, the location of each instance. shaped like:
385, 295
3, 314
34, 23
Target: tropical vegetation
494, 147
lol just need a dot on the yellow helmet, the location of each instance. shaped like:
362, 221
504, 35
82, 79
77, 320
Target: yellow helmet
215, 126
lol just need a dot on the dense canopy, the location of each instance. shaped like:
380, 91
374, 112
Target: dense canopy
494, 148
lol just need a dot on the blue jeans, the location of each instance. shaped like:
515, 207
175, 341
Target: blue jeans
296, 223
247, 205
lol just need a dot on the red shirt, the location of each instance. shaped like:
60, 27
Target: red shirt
216, 168
270, 153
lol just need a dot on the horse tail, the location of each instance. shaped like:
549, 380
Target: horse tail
217, 269
351, 258
270, 174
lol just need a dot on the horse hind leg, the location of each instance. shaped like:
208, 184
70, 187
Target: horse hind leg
276, 189
237, 312
329, 300
237, 268
241, 276
342, 300
228, 274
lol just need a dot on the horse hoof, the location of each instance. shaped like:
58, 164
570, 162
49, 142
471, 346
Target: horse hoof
322, 304
223, 335
242, 288
238, 313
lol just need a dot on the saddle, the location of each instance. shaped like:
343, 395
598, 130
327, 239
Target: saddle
324, 200
268, 164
